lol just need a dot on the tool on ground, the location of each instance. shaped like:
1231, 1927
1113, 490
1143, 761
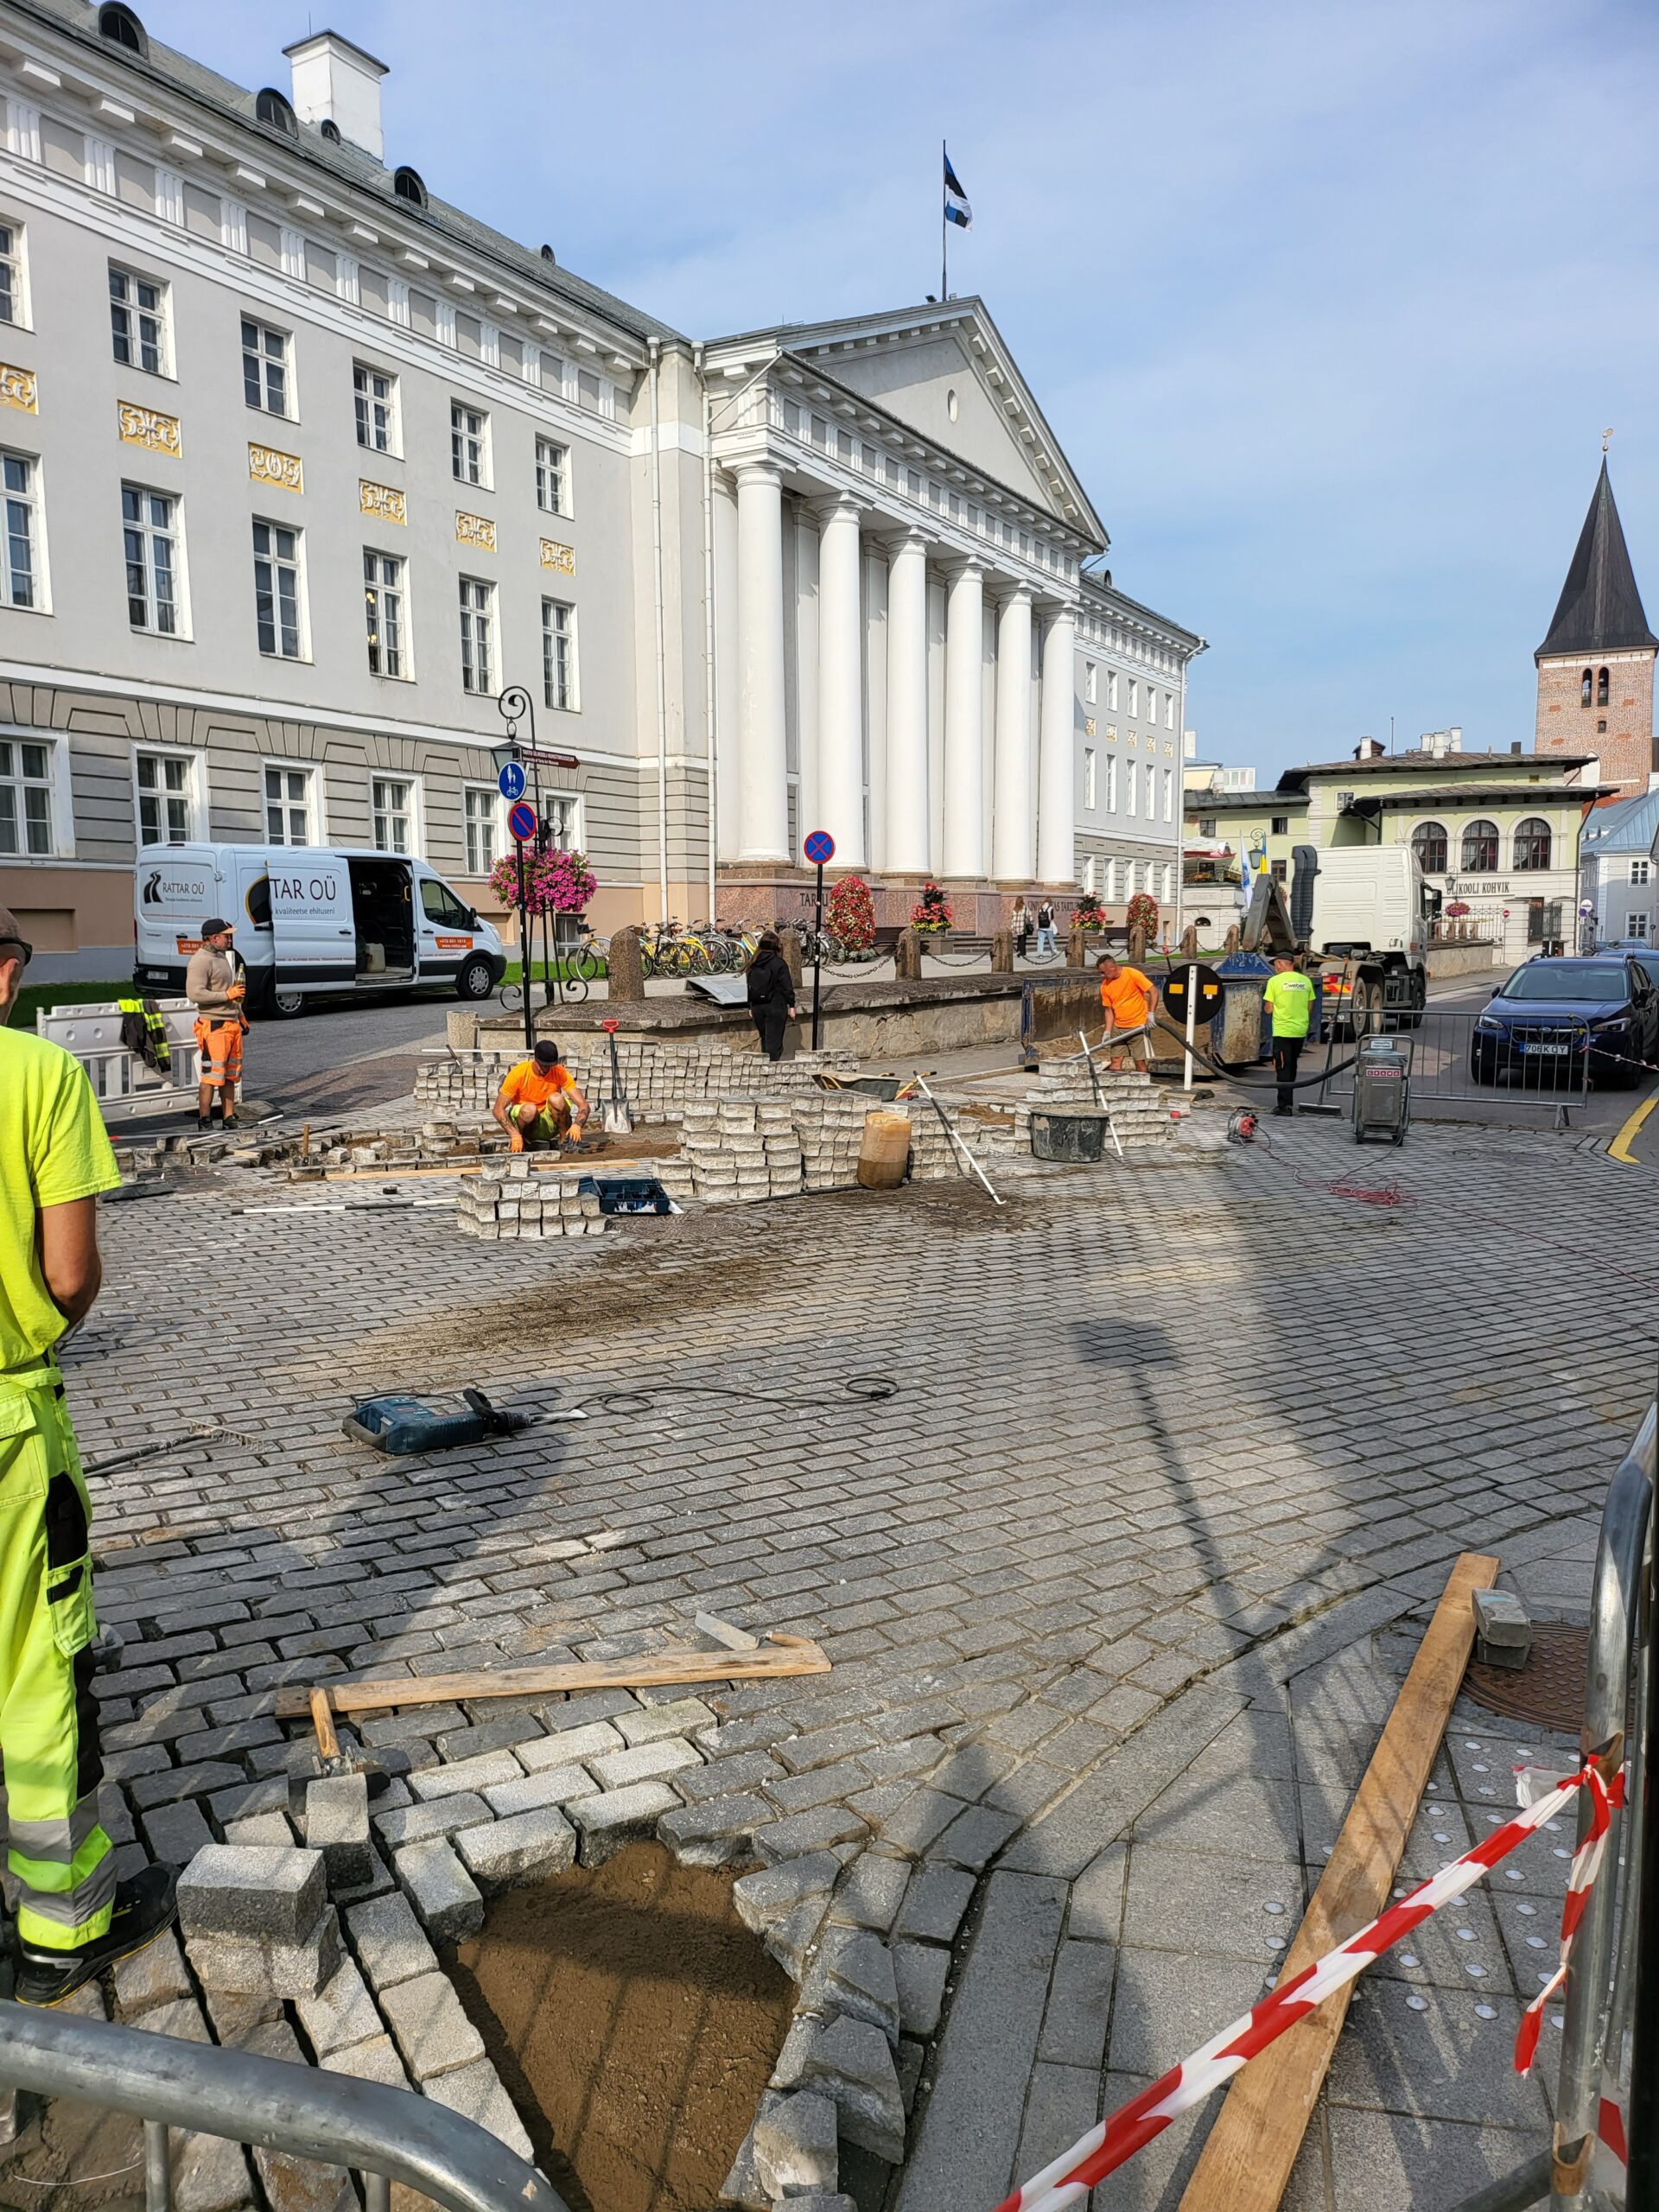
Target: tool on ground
778, 1654
211, 1433
1383, 1088
951, 1131
1100, 1095
333, 1760
618, 1120
1243, 1127
400, 1424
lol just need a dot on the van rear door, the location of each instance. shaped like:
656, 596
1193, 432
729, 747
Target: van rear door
175, 892
312, 926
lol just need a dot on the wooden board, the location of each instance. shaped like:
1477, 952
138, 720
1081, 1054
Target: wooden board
779, 1654
1246, 2163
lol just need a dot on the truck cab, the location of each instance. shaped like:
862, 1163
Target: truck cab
1371, 920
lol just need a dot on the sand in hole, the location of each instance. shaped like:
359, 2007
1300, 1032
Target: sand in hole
634, 2021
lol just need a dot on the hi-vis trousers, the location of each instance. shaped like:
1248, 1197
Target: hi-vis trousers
59, 1855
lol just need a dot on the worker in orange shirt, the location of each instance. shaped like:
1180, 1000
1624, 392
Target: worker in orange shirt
540, 1103
1127, 998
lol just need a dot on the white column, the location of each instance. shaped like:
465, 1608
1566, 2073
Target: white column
965, 683
875, 699
1013, 842
1056, 768
762, 768
841, 680
726, 662
907, 790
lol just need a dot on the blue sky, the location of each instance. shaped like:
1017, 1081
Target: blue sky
1327, 304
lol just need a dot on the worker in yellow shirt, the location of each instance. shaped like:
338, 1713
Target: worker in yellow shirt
1127, 998
73, 1917
540, 1103
1288, 998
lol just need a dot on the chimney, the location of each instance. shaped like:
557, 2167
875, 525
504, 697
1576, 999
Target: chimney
337, 82
1454, 738
1514, 745
1370, 748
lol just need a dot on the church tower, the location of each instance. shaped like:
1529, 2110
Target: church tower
1595, 668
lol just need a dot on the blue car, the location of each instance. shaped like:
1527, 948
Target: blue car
1551, 1013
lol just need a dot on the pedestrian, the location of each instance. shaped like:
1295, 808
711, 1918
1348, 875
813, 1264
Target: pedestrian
215, 983
73, 1917
1288, 998
1046, 927
1019, 923
1128, 997
771, 994
540, 1103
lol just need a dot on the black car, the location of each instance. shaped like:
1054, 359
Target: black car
1551, 1013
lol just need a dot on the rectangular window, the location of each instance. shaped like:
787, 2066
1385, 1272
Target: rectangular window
468, 431
552, 476
138, 320
1639, 871
1169, 794
149, 538
287, 804
1152, 705
265, 367
12, 308
559, 654
1128, 879
1111, 689
1169, 710
394, 814
165, 811
561, 811
374, 397
477, 635
25, 796
1278, 870
276, 596
1134, 695
1279, 824
481, 812
383, 611
1089, 775
1131, 789
1091, 684
1635, 924
1111, 882
20, 581
1089, 877
1111, 783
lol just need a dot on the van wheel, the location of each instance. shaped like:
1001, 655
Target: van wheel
284, 1004
475, 979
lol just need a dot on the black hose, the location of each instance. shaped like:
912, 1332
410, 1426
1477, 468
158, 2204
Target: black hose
1233, 1071
868, 1390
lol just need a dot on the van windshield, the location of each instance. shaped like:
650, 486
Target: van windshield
1568, 979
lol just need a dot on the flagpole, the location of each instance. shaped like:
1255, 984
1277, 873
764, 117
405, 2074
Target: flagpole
945, 228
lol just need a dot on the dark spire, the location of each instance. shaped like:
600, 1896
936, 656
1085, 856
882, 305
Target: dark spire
1600, 608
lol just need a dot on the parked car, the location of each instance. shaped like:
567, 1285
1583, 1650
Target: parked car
1551, 1012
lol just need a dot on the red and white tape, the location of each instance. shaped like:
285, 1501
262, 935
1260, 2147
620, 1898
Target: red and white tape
1115, 2140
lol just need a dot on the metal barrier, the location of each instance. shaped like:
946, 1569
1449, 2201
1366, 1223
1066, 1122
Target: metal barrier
335, 2120
1547, 1065
122, 1084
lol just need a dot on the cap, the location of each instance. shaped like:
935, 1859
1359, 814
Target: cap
548, 1052
213, 925
11, 935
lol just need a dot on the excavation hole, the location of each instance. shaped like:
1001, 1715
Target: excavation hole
634, 2021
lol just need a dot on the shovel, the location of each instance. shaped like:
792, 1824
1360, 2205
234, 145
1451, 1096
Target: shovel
619, 1123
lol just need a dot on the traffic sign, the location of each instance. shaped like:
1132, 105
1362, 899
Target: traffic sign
819, 848
511, 781
521, 821
1206, 989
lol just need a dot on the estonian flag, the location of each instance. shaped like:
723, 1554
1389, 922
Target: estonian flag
956, 209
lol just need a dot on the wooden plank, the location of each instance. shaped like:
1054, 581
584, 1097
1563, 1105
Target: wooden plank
780, 1655
322, 1720
1246, 2163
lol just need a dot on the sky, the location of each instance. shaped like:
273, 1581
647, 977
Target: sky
1328, 305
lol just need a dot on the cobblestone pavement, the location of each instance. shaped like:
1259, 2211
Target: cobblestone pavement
1117, 1589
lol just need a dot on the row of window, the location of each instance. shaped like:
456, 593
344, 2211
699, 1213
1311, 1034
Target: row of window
1112, 880
1481, 847
152, 549
170, 805
1137, 779
1091, 694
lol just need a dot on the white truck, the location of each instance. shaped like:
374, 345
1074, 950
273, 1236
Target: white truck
1363, 913
309, 919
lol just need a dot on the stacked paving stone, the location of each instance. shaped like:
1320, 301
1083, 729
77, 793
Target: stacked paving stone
433, 1144
831, 1126
740, 1150
516, 1204
661, 1080
1139, 1116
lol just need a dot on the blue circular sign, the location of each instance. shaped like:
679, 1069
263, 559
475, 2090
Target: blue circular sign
521, 821
511, 781
819, 848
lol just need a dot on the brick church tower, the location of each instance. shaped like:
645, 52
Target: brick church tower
1595, 668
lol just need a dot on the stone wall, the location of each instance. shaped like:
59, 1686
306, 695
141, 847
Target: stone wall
660, 1080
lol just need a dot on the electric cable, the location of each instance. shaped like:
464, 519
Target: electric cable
867, 1389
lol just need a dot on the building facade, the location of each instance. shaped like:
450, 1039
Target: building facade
1620, 873
303, 468
1595, 667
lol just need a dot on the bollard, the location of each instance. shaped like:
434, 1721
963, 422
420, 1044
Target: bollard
1002, 953
907, 957
1077, 951
790, 941
625, 967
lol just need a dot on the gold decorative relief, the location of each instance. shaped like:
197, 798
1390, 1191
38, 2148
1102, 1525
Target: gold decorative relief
267, 465
562, 558
143, 426
17, 387
382, 500
475, 529
1088, 725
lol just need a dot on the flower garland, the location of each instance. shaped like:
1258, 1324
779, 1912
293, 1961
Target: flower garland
931, 911
555, 882
850, 913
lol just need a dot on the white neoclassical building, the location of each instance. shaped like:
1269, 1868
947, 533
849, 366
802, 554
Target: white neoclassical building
305, 466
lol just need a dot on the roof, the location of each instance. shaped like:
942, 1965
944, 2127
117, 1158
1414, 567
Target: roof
1200, 801
1599, 609
1632, 827
1092, 581
347, 167
1480, 794
1415, 761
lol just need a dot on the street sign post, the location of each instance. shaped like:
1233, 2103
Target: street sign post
818, 846
1195, 991
521, 827
511, 781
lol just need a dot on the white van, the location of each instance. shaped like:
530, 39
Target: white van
308, 919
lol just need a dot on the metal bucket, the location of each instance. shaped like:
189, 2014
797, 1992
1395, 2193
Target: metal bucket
1076, 1133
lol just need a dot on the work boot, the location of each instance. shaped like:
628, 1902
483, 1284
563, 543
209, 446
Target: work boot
1284, 1109
204, 1124
144, 1907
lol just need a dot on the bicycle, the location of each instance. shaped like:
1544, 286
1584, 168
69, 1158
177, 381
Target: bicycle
584, 964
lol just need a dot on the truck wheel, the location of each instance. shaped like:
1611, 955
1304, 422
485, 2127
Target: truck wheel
1365, 1007
475, 978
1413, 1019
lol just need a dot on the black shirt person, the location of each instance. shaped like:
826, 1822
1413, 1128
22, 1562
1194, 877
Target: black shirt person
771, 994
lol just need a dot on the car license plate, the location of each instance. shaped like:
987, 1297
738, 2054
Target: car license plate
1560, 1051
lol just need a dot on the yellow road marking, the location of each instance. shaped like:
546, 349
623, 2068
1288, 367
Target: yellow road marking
1620, 1146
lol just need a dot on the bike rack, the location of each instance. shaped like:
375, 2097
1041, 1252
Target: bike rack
335, 2120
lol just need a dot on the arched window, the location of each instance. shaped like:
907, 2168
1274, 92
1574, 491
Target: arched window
122, 28
1532, 842
269, 107
330, 130
1428, 841
1480, 849
1586, 684
406, 183
1601, 687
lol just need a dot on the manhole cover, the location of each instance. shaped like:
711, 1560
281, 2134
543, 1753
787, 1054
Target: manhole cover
1549, 1690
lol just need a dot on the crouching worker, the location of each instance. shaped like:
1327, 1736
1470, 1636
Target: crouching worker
540, 1103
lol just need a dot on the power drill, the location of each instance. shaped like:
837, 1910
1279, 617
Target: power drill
401, 1425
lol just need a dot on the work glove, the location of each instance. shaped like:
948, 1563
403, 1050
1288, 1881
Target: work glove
238, 991
515, 1139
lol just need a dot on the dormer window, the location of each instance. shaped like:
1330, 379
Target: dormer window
272, 109
122, 28
1601, 687
406, 183
330, 130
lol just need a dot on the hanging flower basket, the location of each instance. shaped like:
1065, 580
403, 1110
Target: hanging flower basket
931, 911
555, 882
